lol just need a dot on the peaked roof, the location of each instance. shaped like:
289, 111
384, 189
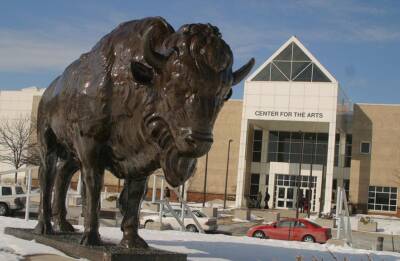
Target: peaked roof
292, 62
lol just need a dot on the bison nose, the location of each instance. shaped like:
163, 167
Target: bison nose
199, 142
197, 136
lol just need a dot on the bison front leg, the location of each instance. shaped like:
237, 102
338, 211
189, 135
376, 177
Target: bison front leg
129, 202
93, 180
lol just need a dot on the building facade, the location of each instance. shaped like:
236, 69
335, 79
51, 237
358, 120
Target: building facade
375, 164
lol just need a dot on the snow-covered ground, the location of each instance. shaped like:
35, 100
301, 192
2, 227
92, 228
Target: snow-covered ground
200, 246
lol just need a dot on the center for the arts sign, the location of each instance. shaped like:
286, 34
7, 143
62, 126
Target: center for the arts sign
290, 114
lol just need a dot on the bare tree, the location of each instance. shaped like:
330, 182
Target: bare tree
16, 142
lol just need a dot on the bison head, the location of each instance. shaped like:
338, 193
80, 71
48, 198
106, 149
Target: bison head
191, 78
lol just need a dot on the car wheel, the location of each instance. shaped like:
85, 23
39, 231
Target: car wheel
146, 224
191, 228
309, 239
3, 209
259, 234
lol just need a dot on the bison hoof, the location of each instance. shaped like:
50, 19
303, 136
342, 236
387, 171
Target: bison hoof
91, 239
43, 228
135, 242
63, 226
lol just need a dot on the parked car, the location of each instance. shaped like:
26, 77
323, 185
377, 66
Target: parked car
207, 223
9, 199
292, 229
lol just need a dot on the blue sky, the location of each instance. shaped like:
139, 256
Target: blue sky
357, 41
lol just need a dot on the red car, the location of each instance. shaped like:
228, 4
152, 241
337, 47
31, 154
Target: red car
292, 229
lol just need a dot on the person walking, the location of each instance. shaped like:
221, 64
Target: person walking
167, 193
301, 202
266, 199
259, 198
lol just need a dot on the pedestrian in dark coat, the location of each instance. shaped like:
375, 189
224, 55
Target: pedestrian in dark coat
266, 199
259, 198
167, 193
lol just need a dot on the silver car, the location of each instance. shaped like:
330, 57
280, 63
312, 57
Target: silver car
11, 199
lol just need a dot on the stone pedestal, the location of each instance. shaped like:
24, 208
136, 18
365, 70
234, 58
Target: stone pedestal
108, 204
158, 226
368, 227
331, 223
210, 212
242, 213
69, 244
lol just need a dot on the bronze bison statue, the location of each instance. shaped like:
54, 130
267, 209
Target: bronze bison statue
145, 97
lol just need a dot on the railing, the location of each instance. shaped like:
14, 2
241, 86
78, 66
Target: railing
165, 202
342, 217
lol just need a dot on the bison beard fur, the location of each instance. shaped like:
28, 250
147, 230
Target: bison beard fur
145, 97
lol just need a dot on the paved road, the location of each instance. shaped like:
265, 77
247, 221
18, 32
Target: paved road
361, 240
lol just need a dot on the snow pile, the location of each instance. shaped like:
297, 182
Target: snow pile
12, 248
201, 246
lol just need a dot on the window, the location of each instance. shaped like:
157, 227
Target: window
19, 190
347, 153
296, 147
292, 64
346, 185
6, 191
365, 147
337, 147
300, 224
257, 145
293, 180
285, 223
199, 214
382, 198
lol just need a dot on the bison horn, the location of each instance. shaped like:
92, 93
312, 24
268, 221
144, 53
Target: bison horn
242, 72
153, 58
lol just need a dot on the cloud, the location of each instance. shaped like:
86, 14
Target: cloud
35, 50
328, 21
245, 41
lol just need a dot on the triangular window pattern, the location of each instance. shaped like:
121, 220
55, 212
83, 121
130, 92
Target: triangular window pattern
292, 64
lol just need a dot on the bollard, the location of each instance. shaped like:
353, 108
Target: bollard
379, 244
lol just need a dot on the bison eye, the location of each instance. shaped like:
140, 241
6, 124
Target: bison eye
141, 73
228, 95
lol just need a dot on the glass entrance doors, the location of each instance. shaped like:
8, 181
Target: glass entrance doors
286, 187
285, 197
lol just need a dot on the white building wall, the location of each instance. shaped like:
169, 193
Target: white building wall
305, 102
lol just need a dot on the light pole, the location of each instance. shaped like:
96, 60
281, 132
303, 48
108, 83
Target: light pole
309, 198
227, 171
205, 182
299, 176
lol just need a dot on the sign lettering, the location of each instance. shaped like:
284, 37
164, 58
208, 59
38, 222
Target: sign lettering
290, 114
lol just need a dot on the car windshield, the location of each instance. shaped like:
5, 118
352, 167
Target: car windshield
199, 214
19, 190
285, 223
313, 224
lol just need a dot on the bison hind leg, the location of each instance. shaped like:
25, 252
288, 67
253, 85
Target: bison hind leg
47, 170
